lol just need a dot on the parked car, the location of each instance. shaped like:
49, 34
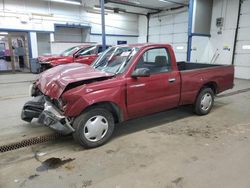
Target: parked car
85, 54
125, 82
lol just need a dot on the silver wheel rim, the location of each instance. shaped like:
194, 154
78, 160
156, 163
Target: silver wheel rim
206, 101
95, 128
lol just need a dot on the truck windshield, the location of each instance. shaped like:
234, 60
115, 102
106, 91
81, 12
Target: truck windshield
70, 51
114, 60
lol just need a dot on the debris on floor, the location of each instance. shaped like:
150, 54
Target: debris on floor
52, 163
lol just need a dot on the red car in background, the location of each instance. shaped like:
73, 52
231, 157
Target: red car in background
84, 54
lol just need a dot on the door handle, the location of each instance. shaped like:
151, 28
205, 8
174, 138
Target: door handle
171, 80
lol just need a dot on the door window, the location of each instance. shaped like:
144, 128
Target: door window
87, 51
156, 60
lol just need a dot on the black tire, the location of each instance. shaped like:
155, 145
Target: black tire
81, 120
198, 108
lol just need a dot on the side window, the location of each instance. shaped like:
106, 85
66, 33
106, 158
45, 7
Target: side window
156, 60
87, 51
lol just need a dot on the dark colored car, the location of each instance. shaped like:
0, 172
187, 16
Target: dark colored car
125, 82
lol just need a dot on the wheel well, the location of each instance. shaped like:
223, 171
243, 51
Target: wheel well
111, 107
211, 85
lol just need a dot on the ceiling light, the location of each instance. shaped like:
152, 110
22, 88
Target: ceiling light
136, 2
99, 8
3, 33
67, 2
163, 1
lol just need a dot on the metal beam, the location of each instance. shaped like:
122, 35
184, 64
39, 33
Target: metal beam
132, 5
174, 2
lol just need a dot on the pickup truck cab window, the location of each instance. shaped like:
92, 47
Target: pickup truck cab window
157, 60
70, 51
87, 51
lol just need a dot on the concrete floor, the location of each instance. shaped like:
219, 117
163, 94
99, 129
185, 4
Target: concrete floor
173, 149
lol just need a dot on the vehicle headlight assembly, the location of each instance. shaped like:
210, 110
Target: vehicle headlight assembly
45, 62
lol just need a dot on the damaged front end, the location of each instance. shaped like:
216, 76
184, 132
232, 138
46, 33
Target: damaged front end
47, 113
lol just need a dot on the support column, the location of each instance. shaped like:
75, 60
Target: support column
190, 28
33, 45
103, 25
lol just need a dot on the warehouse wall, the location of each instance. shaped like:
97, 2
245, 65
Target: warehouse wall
171, 27
37, 15
218, 48
242, 53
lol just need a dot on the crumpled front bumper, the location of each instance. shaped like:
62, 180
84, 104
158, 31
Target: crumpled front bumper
52, 118
47, 115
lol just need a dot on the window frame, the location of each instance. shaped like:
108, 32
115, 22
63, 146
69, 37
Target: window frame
169, 60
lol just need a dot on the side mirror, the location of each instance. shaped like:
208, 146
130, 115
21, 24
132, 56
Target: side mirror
76, 55
141, 72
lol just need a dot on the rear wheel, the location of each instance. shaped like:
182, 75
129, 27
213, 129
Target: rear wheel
204, 101
94, 127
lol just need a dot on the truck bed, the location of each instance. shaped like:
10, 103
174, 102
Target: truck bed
196, 75
183, 66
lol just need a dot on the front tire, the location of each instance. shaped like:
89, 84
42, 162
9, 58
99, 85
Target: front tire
204, 102
94, 127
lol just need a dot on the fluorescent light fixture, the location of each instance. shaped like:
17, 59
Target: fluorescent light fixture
180, 47
136, 2
246, 47
99, 8
163, 1
66, 2
3, 33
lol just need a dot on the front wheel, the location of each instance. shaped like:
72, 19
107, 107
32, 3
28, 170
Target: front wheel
94, 127
204, 101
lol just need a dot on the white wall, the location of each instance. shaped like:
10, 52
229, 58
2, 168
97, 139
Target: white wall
39, 15
142, 29
171, 27
242, 54
219, 48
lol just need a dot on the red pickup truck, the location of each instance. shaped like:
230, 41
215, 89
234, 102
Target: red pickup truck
85, 54
125, 82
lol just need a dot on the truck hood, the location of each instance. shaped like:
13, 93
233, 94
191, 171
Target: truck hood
62, 60
54, 81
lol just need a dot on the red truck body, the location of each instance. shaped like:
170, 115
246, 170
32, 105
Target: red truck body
76, 54
79, 87
134, 97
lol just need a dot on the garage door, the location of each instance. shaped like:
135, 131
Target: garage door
172, 29
242, 53
43, 43
71, 34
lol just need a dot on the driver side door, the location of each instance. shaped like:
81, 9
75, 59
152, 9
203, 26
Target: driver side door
159, 91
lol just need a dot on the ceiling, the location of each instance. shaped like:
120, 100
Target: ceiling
139, 6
